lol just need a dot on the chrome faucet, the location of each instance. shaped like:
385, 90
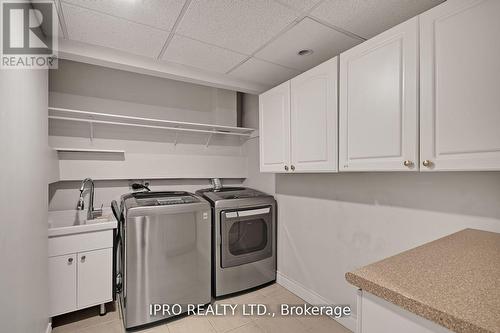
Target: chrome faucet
91, 213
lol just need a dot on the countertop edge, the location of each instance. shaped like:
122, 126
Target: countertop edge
420, 309
66, 231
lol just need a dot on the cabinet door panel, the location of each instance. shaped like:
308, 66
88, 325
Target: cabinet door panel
274, 128
378, 102
460, 76
314, 119
62, 284
380, 316
95, 277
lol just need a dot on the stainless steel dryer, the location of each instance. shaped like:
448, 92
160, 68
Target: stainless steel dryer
165, 253
244, 238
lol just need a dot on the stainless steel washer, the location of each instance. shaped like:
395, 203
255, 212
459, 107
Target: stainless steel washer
244, 238
166, 253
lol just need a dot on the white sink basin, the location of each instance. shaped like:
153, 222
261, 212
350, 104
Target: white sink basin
66, 222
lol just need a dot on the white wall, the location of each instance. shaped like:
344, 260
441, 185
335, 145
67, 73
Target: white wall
23, 201
250, 118
64, 195
82, 86
330, 224
149, 153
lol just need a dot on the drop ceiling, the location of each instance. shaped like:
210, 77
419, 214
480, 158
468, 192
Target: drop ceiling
252, 41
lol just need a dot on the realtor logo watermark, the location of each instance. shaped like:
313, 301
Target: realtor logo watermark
29, 34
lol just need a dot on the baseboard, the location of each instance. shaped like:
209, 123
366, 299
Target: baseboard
49, 327
313, 298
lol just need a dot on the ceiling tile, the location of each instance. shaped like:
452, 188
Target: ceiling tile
238, 25
300, 5
103, 30
368, 18
190, 52
260, 71
308, 34
157, 13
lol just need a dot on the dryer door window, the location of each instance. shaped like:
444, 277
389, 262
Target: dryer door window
246, 236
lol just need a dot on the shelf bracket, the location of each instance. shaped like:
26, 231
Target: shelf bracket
208, 140
91, 134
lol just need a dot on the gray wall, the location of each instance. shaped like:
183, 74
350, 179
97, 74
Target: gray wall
64, 195
23, 201
330, 224
93, 88
82, 86
250, 118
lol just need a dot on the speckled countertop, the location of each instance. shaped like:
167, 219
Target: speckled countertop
453, 281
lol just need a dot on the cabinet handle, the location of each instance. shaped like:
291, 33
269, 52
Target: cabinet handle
286, 167
292, 167
426, 163
83, 258
407, 163
70, 261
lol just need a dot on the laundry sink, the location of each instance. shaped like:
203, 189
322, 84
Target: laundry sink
67, 222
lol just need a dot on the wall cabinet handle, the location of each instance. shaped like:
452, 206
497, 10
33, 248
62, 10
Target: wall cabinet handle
292, 167
408, 163
83, 258
70, 261
286, 167
426, 163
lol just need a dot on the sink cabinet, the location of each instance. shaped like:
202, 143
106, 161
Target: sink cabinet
62, 283
80, 271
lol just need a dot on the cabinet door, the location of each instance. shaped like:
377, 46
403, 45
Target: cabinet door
380, 316
379, 102
274, 129
95, 277
314, 119
62, 284
459, 86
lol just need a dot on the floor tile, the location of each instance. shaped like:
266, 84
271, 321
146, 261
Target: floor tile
271, 290
77, 320
191, 324
248, 328
163, 328
280, 324
229, 322
109, 327
322, 324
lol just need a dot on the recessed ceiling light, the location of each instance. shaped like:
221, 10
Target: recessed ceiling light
305, 52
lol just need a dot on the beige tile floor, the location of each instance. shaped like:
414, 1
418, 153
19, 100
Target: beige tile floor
88, 321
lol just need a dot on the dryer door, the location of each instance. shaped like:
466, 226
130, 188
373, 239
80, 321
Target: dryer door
246, 235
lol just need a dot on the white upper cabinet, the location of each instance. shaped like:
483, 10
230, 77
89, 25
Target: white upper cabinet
379, 102
314, 119
298, 123
274, 129
460, 86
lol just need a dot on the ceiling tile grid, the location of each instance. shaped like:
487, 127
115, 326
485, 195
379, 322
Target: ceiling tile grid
190, 52
160, 14
251, 40
368, 18
264, 72
239, 25
300, 5
108, 31
307, 34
